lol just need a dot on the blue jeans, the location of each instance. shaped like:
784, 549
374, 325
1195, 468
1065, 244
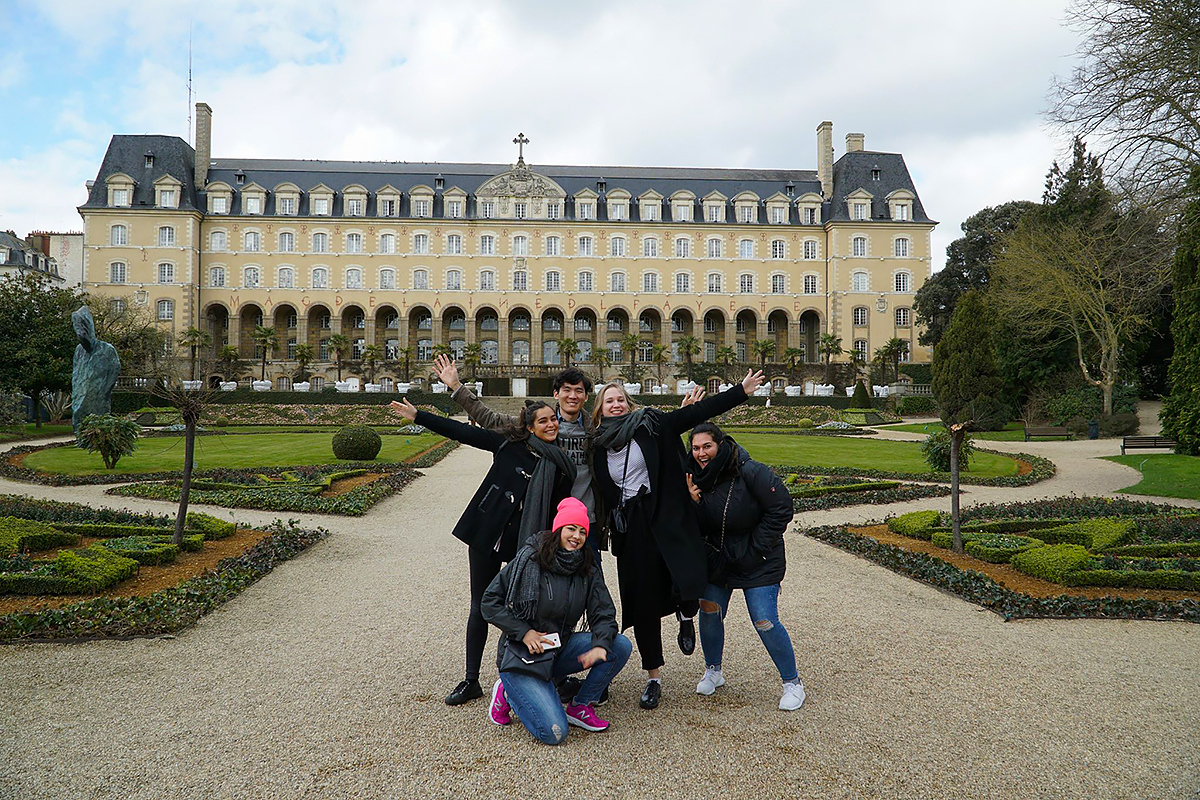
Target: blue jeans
762, 603
536, 701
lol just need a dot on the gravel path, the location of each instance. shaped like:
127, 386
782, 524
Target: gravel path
325, 679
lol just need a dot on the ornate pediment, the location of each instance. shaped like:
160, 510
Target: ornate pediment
520, 181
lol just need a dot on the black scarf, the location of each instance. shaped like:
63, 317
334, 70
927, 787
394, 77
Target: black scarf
526, 580
615, 433
719, 466
539, 508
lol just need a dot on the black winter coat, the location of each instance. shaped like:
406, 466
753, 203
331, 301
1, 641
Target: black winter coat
493, 517
760, 509
673, 515
562, 599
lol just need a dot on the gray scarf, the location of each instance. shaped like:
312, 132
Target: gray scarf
615, 433
525, 583
539, 509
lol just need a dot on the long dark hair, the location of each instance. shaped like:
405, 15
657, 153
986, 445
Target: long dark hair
546, 551
518, 431
712, 430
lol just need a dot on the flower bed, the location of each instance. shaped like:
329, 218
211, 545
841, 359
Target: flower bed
814, 493
165, 611
1041, 469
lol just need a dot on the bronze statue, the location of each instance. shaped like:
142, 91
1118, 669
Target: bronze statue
94, 372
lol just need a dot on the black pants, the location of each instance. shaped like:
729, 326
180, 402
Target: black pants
484, 564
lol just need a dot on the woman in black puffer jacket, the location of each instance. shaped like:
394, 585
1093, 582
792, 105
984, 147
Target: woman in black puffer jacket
743, 509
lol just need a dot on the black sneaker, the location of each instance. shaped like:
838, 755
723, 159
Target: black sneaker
603, 698
467, 690
651, 696
687, 636
568, 688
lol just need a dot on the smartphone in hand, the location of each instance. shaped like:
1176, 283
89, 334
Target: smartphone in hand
554, 641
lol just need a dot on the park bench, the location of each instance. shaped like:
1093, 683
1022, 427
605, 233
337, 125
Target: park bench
1046, 430
1145, 443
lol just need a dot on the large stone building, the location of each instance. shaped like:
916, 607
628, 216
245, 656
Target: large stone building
514, 258
24, 256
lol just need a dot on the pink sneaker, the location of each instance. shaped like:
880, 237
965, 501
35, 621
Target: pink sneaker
585, 717
500, 711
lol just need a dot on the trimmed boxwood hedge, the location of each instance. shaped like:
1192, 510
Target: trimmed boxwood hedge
23, 535
73, 572
999, 548
1041, 470
205, 525
166, 611
15, 505
916, 524
977, 588
1053, 562
149, 550
1094, 534
1158, 549
1141, 579
356, 443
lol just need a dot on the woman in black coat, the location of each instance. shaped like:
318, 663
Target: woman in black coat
744, 509
638, 465
517, 499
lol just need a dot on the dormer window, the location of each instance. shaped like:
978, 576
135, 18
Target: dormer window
355, 207
790, 189
875, 174
454, 209
166, 198
120, 197
778, 215
149, 160
858, 211
585, 210
220, 205
439, 182
253, 205
389, 207
286, 206
422, 207
239, 177
321, 206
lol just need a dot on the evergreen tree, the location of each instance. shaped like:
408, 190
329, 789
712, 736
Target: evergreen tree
1181, 410
965, 382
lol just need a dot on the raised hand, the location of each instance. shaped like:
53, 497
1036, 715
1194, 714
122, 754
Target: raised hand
693, 489
752, 381
447, 372
404, 409
694, 395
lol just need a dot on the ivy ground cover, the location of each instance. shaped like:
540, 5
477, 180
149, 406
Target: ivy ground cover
818, 492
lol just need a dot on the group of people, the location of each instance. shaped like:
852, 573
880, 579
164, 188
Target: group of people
686, 530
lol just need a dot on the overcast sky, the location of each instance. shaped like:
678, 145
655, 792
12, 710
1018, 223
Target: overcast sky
957, 87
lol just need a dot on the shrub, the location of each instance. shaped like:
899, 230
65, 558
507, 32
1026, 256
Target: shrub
356, 443
1051, 563
916, 404
945, 539
999, 548
861, 398
150, 550
221, 421
936, 450
1094, 534
210, 526
112, 436
1122, 424
93, 569
21, 535
916, 524
1160, 549
1014, 525
1141, 579
804, 423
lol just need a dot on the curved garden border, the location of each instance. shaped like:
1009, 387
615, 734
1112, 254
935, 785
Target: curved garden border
1041, 469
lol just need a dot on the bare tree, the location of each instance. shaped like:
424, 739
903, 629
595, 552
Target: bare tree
1135, 94
1094, 283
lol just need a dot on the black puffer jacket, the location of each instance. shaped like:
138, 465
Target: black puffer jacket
562, 599
760, 509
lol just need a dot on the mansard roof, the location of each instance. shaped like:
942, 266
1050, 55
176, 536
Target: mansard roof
127, 154
853, 171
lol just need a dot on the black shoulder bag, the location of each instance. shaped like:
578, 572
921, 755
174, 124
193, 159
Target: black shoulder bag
617, 524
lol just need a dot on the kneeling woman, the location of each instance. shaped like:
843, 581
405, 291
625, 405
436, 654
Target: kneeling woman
537, 601
529, 475
744, 509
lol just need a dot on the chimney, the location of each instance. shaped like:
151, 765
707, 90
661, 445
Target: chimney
825, 157
855, 142
203, 143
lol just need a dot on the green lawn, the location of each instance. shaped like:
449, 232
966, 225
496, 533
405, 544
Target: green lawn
32, 431
860, 452
1013, 431
1164, 474
261, 450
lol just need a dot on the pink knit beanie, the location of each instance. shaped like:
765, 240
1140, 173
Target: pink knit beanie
571, 512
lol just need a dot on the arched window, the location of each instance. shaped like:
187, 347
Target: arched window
216, 276
860, 314
424, 349
683, 247
487, 245
320, 278
810, 284
554, 245
217, 241
901, 248
491, 351
387, 243
487, 280
860, 282
858, 246
587, 281
520, 351
251, 278
453, 280
118, 235
287, 242
585, 246
903, 318
253, 241
354, 278
166, 236
746, 248
616, 247
550, 352
553, 281
650, 282
454, 244
520, 280
810, 249
166, 273
420, 279
650, 247
778, 282
714, 282
320, 242
166, 310
286, 278
778, 248
421, 243
387, 278
746, 283
683, 282
903, 281
715, 248
489, 322
520, 323
354, 243
116, 272
520, 245
616, 282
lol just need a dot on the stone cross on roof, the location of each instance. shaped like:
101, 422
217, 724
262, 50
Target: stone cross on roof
520, 142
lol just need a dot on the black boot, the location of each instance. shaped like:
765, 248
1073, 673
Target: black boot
687, 635
467, 690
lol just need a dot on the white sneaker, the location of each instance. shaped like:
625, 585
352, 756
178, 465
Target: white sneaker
793, 696
712, 679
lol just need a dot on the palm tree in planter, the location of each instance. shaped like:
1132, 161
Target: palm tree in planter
406, 355
830, 348
304, 357
230, 361
764, 349
895, 349
568, 349
194, 339
689, 346
372, 357
630, 343
473, 357
340, 344
264, 339
791, 355
602, 361
660, 354
725, 356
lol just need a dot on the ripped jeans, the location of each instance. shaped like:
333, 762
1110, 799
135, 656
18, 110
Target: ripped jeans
762, 603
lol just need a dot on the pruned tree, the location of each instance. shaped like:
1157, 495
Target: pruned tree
1135, 92
764, 349
264, 338
304, 357
689, 348
830, 347
339, 343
